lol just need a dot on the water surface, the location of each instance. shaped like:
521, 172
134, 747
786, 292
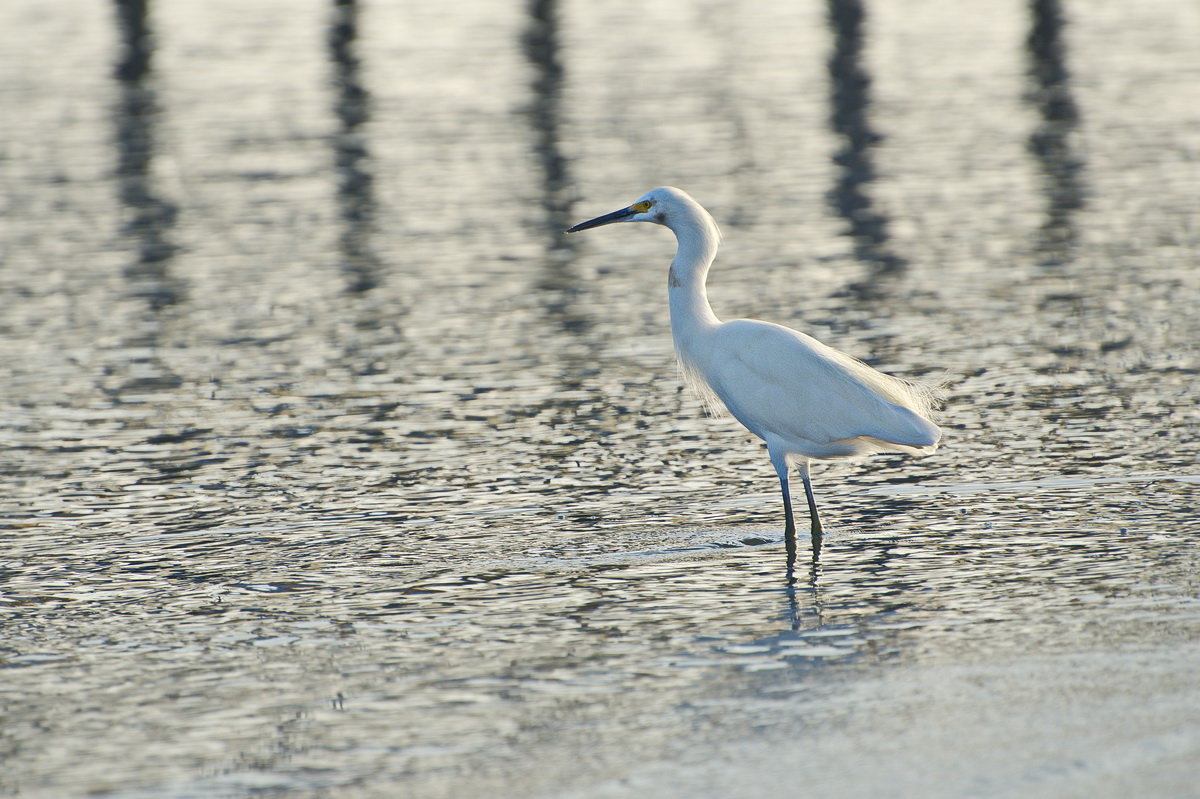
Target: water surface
331, 467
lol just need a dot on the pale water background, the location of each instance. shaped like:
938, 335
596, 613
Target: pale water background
331, 468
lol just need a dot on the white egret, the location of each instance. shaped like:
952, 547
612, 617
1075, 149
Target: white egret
804, 399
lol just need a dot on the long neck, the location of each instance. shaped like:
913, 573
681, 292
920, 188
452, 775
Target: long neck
698, 236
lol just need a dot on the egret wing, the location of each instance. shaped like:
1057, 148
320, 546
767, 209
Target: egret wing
782, 383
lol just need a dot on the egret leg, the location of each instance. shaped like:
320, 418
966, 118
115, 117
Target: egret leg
812, 510
789, 531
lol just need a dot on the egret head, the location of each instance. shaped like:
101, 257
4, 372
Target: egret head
654, 206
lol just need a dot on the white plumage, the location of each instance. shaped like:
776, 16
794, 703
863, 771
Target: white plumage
815, 401
803, 398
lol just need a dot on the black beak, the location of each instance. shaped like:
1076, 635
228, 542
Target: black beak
615, 216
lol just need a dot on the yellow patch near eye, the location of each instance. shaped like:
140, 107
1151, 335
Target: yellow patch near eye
642, 207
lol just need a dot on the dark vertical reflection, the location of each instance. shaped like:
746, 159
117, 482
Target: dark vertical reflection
356, 198
541, 45
149, 218
850, 99
1052, 141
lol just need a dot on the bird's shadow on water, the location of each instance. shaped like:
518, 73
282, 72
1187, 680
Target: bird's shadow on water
820, 616
801, 571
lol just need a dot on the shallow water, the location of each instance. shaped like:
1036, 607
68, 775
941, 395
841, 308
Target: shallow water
332, 468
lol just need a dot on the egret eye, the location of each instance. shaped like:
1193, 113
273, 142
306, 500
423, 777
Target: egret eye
642, 207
